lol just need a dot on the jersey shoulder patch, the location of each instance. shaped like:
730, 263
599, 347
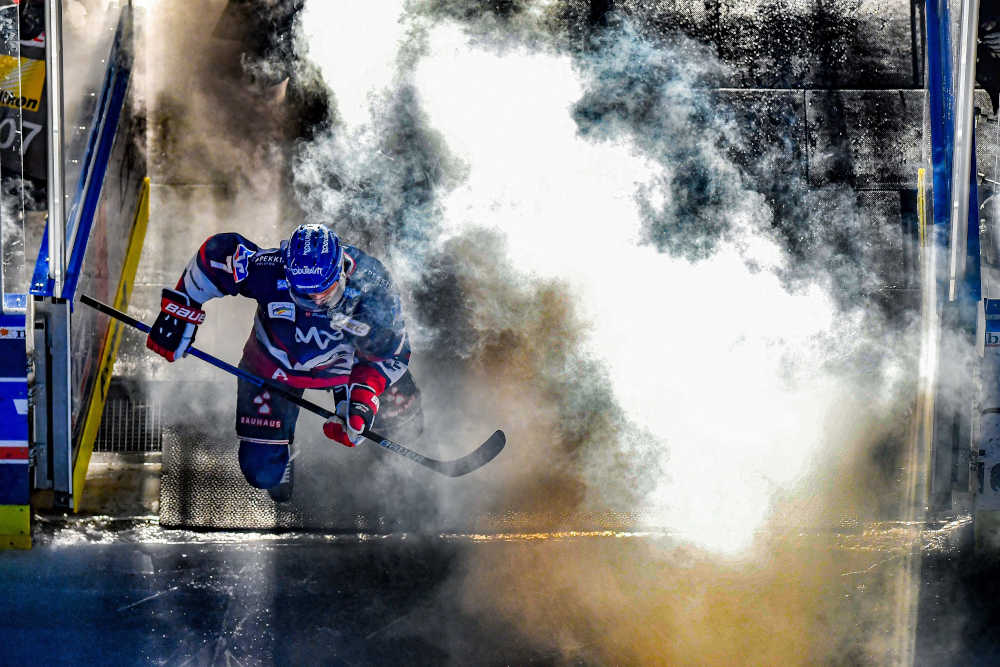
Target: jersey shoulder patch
284, 310
241, 262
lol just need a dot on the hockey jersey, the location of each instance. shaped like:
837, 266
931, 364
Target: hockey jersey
295, 346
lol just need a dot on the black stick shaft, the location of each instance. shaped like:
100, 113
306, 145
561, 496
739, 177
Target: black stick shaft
485, 453
215, 361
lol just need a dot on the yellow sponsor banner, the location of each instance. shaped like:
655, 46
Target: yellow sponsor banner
21, 82
15, 527
111, 342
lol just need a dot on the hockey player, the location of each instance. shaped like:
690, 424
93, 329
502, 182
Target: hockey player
328, 317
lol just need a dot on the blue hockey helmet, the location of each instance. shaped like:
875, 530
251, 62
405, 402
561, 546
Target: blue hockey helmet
314, 266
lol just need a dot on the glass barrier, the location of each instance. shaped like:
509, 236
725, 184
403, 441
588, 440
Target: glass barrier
14, 272
88, 33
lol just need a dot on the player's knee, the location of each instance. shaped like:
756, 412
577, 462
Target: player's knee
262, 464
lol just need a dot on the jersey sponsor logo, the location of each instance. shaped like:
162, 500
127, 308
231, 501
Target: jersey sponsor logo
342, 321
241, 262
260, 421
268, 258
284, 310
378, 280
391, 364
321, 339
262, 403
279, 374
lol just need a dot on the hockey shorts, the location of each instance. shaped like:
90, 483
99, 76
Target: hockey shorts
265, 424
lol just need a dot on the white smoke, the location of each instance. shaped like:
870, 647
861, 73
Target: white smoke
697, 352
352, 62
719, 368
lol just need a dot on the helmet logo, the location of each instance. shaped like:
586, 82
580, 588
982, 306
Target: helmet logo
305, 270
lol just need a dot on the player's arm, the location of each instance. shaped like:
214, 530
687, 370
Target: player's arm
383, 356
218, 269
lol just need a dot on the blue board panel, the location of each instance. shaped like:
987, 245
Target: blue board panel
941, 106
13, 354
14, 469
41, 284
14, 484
13, 416
11, 319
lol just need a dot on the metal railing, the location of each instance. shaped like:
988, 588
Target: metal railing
130, 425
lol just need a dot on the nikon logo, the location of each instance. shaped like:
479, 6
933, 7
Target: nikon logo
8, 99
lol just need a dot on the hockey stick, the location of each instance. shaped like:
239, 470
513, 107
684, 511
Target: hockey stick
485, 453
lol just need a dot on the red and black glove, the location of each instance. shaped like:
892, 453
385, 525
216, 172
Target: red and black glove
176, 325
356, 407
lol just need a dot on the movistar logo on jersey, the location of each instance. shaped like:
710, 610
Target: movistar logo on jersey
317, 337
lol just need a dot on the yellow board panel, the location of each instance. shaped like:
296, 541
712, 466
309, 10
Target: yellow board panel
111, 342
21, 82
922, 205
15, 527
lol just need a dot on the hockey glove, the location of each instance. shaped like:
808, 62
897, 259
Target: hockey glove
356, 407
176, 325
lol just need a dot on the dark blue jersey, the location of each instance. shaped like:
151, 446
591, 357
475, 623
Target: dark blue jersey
299, 347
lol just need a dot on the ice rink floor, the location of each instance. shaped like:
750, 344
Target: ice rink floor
117, 588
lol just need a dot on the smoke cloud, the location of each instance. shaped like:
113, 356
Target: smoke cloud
598, 255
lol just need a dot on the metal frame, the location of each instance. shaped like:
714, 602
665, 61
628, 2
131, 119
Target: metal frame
55, 187
40, 436
53, 400
961, 164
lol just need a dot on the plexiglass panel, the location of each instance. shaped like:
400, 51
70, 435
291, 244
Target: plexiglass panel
88, 34
13, 72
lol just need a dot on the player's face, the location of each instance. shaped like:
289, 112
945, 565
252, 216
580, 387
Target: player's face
328, 297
